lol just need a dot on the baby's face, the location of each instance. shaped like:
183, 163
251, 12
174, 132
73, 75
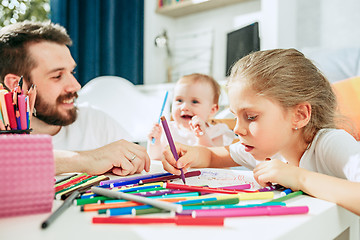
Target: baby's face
190, 100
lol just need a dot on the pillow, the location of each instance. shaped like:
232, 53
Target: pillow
348, 96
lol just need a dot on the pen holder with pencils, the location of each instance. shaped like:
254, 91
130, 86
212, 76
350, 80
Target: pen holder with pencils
26, 174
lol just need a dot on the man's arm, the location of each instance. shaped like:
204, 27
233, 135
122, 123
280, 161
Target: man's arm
121, 157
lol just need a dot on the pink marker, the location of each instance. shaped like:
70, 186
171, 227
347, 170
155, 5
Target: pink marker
251, 211
22, 110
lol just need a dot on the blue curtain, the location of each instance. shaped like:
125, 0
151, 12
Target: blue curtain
107, 36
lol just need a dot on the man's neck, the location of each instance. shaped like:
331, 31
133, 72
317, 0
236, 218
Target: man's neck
40, 127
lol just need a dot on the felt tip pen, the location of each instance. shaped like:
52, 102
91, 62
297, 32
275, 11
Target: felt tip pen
178, 220
252, 211
171, 144
67, 203
119, 195
161, 112
199, 188
171, 177
286, 192
287, 197
141, 177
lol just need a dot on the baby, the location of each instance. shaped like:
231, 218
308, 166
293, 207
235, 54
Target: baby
195, 101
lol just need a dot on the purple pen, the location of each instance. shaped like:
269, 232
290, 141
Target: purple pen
171, 143
141, 177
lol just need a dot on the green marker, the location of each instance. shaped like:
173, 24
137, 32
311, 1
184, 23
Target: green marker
287, 197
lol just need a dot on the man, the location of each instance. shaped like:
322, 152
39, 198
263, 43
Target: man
89, 140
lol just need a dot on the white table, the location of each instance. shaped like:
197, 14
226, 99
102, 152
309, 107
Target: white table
325, 220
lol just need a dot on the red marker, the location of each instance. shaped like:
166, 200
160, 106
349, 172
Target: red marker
178, 220
10, 110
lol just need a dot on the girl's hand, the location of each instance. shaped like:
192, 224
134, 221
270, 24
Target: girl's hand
155, 133
198, 126
188, 156
276, 171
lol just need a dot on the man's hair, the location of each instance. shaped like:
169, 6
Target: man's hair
14, 42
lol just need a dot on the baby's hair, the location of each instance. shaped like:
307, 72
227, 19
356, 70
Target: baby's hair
288, 77
203, 78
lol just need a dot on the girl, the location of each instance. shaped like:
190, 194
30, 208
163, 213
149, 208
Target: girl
285, 110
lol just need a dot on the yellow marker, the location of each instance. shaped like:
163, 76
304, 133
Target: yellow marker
256, 196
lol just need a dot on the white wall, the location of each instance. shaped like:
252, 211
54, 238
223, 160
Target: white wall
283, 24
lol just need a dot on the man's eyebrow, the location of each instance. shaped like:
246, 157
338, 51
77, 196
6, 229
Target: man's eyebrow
55, 70
59, 69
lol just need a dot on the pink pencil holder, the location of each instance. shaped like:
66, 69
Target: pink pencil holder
26, 174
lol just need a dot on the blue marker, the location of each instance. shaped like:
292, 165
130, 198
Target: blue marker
286, 192
161, 112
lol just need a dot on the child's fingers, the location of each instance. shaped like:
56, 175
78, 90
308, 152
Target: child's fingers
168, 166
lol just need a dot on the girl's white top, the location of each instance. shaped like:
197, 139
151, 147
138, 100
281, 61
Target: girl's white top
333, 152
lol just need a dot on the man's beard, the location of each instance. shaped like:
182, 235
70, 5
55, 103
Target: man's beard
49, 114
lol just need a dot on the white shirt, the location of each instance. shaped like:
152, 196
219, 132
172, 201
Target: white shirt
92, 129
333, 152
188, 137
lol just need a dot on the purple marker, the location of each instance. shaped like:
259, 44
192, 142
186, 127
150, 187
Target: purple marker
141, 177
171, 143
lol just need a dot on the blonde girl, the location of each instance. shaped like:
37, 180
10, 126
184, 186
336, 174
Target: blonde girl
285, 110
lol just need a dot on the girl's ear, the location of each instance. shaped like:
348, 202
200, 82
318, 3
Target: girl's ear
11, 81
214, 110
302, 115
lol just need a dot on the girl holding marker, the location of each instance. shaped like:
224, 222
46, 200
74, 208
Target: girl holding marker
286, 111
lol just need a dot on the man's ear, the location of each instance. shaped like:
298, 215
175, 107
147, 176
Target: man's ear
11, 81
302, 115
214, 110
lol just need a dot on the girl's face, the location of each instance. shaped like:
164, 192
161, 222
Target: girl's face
264, 127
190, 100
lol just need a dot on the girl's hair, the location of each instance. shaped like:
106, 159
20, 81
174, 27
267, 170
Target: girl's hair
202, 78
288, 77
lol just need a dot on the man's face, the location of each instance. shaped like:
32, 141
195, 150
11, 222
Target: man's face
56, 86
